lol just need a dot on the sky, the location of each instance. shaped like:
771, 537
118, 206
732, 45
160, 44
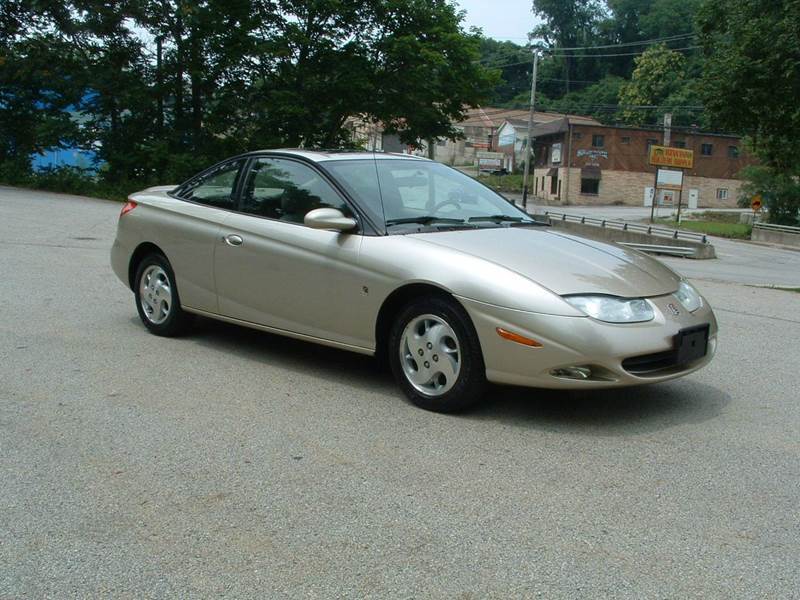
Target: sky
500, 19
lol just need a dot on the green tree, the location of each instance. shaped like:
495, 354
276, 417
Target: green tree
515, 74
751, 79
751, 82
170, 85
659, 72
568, 24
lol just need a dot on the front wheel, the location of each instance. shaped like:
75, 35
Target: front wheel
157, 297
436, 357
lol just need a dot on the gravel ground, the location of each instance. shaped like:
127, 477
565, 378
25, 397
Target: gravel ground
239, 464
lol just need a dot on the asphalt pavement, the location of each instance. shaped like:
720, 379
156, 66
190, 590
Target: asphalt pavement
234, 463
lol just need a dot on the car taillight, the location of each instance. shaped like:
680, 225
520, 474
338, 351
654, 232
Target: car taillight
128, 207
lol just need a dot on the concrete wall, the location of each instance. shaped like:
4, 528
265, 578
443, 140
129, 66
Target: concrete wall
775, 237
608, 234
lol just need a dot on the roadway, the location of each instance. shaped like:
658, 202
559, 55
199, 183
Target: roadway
234, 463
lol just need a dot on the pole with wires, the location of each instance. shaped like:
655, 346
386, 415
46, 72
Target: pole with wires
529, 142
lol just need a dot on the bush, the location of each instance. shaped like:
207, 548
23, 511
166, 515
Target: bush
69, 180
779, 191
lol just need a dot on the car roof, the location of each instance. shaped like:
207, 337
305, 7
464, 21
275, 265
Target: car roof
332, 155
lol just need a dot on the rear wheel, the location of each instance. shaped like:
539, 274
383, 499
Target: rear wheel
157, 297
436, 357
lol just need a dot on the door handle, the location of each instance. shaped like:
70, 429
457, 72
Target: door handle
233, 239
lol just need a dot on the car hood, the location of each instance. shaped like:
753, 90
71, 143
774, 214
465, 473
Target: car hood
563, 263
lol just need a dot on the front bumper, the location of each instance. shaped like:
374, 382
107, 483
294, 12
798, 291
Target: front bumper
569, 342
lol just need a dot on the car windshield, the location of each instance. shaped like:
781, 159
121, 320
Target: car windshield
410, 193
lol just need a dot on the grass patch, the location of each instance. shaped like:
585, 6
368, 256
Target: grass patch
728, 226
504, 183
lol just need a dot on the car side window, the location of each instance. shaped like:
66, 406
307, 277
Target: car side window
286, 190
215, 188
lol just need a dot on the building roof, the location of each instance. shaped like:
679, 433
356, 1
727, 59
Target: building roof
489, 116
551, 122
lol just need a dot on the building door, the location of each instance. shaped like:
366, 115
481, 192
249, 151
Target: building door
694, 197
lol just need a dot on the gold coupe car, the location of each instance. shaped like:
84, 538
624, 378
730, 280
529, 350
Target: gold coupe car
411, 260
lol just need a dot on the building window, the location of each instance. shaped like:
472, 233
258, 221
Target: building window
722, 193
577, 135
626, 139
680, 144
651, 142
733, 151
598, 141
590, 186
554, 185
706, 149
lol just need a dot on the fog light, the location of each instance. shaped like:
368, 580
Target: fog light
579, 373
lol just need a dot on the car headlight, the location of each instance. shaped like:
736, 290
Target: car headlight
612, 309
688, 296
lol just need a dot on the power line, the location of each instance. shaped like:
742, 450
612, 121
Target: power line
527, 62
641, 43
621, 54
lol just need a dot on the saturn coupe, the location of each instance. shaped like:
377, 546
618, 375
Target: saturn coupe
414, 262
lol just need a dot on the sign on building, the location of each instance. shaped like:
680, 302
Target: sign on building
592, 154
664, 156
490, 161
555, 153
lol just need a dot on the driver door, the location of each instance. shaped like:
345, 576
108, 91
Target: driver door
272, 270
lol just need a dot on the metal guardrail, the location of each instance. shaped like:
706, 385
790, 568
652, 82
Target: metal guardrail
779, 228
675, 234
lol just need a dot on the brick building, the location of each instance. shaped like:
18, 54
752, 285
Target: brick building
590, 163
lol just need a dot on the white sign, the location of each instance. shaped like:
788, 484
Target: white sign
592, 154
555, 156
669, 180
490, 161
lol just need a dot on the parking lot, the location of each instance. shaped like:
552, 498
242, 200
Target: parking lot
237, 463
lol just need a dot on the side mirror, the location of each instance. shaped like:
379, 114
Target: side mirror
329, 218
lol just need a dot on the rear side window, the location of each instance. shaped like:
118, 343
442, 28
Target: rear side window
215, 188
286, 190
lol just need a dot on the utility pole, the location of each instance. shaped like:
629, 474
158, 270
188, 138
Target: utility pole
667, 139
529, 143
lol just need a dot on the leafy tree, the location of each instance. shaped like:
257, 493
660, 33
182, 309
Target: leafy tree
567, 24
597, 99
659, 72
631, 21
751, 78
515, 78
35, 101
751, 82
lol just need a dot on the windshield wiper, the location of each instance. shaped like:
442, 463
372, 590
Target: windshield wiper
499, 219
425, 220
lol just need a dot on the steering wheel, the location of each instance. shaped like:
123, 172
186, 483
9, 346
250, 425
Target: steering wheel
436, 208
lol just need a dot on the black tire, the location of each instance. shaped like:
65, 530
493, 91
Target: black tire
177, 321
470, 383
